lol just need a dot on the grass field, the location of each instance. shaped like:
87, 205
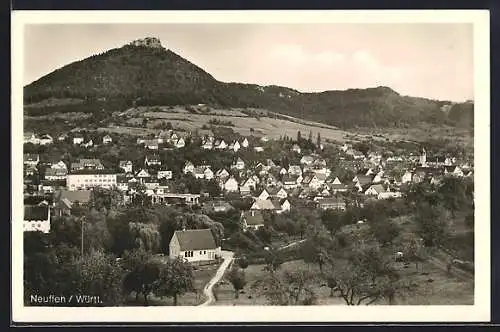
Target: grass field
433, 287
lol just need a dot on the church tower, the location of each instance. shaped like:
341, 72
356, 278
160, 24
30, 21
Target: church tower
423, 158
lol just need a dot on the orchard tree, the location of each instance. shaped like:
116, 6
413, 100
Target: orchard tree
175, 279
237, 278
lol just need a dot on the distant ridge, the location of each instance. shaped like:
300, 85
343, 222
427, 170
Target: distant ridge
143, 72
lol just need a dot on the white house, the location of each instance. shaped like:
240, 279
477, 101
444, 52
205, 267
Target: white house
258, 148
264, 195
209, 174
107, 139
283, 205
46, 139
239, 164
296, 148
221, 146
231, 185
406, 177
194, 245
244, 144
307, 160
36, 218
164, 174
188, 167
222, 174
180, 143
126, 165
236, 146
294, 170
77, 140
31, 159
263, 204
252, 219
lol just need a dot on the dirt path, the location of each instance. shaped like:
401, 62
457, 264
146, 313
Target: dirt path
207, 290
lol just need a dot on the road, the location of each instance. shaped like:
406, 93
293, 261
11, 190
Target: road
207, 290
228, 258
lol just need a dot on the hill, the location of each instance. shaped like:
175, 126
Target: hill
148, 74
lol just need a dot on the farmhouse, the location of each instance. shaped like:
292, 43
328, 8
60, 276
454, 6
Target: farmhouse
65, 200
331, 203
194, 245
251, 220
36, 218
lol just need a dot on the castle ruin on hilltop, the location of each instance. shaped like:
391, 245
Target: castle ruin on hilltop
147, 42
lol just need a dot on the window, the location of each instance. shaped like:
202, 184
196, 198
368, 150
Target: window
201, 252
204, 251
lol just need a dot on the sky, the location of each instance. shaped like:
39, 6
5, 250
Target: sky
431, 60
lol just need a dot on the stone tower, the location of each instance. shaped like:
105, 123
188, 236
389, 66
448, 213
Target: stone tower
423, 158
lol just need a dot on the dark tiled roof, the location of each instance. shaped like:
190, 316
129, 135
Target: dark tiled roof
195, 239
35, 212
255, 219
81, 196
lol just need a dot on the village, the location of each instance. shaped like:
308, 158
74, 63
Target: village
244, 183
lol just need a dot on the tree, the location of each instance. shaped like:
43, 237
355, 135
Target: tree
310, 138
332, 284
100, 275
243, 262
384, 231
142, 273
366, 276
318, 140
415, 252
175, 279
237, 278
299, 136
332, 220
362, 147
432, 223
289, 288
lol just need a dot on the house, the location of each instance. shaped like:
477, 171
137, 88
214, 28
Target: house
30, 137
407, 177
59, 165
151, 144
89, 144
331, 204
264, 195
258, 148
46, 139
221, 146
264, 139
231, 185
122, 183
312, 181
236, 146
217, 207
180, 143
151, 183
55, 174
389, 194
127, 165
282, 205
36, 218
62, 137
263, 204
207, 145
164, 174
337, 186
222, 174
194, 245
357, 155
85, 179
175, 198
296, 148
66, 200
89, 164
252, 219
107, 139
188, 167
251, 182
290, 181
453, 170
307, 160
142, 174
239, 164
378, 177
77, 140
280, 193
363, 179
294, 170
375, 190
244, 144
31, 159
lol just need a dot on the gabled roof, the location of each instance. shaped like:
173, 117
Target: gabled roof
195, 239
36, 212
82, 196
378, 188
253, 218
